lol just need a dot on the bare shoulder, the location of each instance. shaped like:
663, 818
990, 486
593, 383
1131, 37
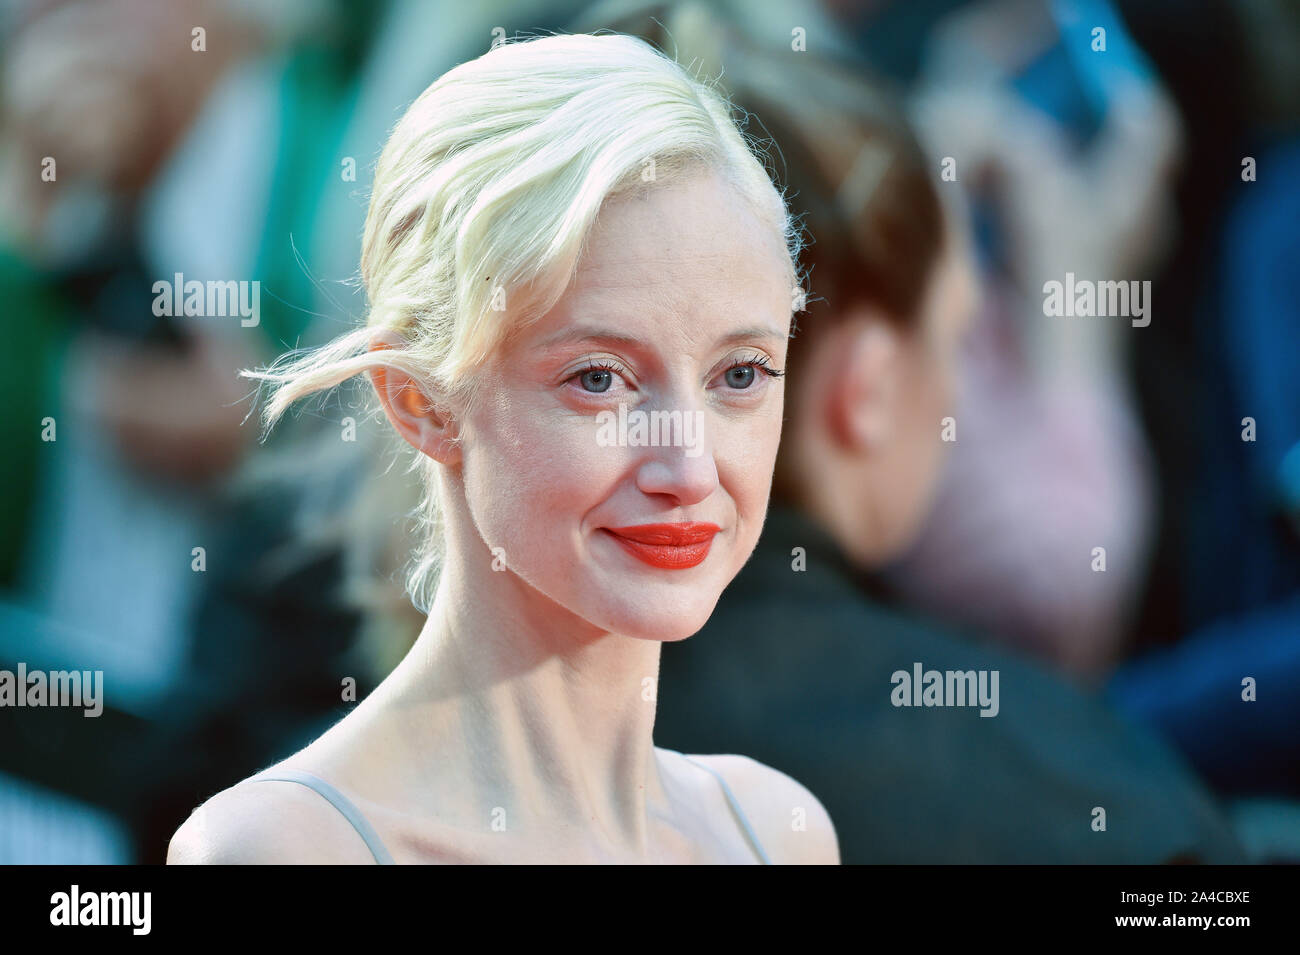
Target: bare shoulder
792, 824
267, 823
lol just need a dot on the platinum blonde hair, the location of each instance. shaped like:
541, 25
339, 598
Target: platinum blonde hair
484, 195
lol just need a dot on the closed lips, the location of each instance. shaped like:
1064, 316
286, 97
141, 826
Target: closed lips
669, 546
687, 532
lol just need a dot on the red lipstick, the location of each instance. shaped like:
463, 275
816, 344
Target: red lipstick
670, 546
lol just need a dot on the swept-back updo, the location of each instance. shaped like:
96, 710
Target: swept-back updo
484, 196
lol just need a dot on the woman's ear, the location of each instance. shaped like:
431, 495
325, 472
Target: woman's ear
863, 402
424, 426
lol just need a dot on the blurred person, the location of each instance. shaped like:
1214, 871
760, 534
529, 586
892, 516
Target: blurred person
1221, 396
1066, 156
97, 95
203, 156
644, 258
803, 664
93, 103
123, 422
1088, 160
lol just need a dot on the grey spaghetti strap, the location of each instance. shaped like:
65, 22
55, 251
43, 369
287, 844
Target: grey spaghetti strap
381, 854
735, 808
338, 800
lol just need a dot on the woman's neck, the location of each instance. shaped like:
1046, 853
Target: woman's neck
533, 709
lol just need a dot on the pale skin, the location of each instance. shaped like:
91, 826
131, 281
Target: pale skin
519, 727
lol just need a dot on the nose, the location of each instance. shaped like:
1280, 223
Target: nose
682, 469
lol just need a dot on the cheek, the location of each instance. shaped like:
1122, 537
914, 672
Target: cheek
935, 403
745, 450
921, 449
931, 393
950, 380
531, 474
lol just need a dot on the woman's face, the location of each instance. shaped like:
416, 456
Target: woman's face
644, 397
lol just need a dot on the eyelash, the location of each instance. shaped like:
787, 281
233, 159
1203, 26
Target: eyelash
761, 362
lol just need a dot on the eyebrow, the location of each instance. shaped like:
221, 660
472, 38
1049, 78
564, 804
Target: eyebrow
597, 335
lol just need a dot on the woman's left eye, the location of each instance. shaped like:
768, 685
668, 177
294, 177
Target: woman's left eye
742, 375
596, 380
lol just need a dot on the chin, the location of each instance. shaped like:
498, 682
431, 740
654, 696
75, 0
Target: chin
660, 617
649, 603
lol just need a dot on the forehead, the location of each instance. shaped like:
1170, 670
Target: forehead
687, 257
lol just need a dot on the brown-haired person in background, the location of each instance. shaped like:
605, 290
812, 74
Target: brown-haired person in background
799, 665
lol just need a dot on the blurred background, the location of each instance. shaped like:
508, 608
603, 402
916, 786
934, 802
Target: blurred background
228, 589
